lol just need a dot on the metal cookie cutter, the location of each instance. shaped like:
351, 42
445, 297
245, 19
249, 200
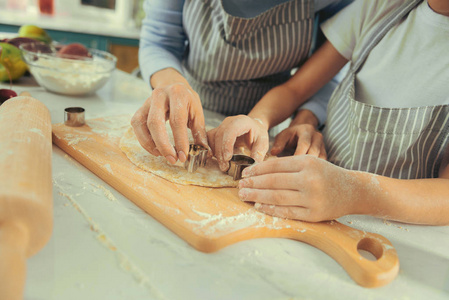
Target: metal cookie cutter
196, 158
74, 116
237, 163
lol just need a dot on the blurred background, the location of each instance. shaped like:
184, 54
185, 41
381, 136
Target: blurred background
108, 25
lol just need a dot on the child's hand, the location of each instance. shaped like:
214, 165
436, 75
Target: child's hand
304, 138
301, 187
234, 131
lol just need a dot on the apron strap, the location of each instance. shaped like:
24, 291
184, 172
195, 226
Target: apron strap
383, 28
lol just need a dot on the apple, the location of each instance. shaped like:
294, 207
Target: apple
74, 51
34, 32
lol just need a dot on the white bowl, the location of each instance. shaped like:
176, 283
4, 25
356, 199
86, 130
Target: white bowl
68, 76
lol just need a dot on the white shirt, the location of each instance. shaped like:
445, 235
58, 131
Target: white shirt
410, 65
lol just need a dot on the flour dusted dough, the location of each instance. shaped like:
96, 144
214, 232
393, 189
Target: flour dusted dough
209, 176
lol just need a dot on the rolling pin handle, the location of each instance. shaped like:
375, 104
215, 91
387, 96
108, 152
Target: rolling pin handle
13, 243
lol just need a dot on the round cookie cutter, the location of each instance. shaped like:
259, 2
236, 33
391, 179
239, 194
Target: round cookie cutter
74, 116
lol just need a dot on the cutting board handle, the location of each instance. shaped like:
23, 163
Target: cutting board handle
343, 243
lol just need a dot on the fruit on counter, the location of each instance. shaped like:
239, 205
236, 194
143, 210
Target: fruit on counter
34, 32
6, 94
17, 41
37, 47
12, 66
74, 51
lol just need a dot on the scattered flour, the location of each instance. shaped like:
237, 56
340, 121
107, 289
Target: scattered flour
167, 209
112, 128
388, 223
75, 139
124, 261
211, 224
105, 191
108, 167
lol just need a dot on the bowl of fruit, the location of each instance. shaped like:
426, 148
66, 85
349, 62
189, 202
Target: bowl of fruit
69, 69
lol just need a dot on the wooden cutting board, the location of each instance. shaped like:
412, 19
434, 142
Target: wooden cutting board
212, 218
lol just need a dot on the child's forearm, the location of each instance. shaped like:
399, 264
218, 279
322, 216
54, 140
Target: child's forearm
280, 102
271, 110
419, 201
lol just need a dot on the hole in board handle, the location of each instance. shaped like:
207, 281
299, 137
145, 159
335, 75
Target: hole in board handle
370, 249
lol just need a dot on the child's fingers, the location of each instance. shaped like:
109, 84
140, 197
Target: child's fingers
315, 146
280, 142
303, 143
271, 197
323, 153
274, 181
286, 212
287, 164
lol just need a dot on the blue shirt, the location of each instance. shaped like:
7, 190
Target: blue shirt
163, 40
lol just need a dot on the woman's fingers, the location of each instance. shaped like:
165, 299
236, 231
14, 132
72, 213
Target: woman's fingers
139, 124
178, 123
158, 131
144, 138
182, 107
198, 127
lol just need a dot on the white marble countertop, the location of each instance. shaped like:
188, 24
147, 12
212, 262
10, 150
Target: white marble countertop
62, 22
150, 262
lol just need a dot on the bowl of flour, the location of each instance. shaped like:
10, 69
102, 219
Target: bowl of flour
68, 75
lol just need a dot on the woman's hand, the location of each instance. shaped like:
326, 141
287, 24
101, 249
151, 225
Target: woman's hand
303, 138
301, 187
182, 106
235, 131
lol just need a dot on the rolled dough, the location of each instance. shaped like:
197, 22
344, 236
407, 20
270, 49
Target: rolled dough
209, 176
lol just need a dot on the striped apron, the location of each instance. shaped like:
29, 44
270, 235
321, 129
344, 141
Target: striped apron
232, 61
404, 143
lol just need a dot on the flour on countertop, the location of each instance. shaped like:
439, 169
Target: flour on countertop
125, 262
105, 191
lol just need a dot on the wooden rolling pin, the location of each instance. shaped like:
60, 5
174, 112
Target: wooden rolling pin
26, 200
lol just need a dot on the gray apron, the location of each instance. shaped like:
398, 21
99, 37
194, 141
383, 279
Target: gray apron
232, 61
405, 143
